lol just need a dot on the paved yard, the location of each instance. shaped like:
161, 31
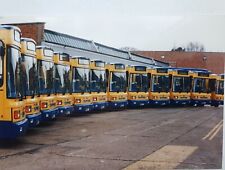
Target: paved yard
150, 138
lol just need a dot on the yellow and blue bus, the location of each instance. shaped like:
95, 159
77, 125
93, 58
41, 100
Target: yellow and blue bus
160, 83
180, 87
200, 93
138, 86
45, 66
13, 121
30, 83
116, 86
98, 84
81, 84
217, 95
62, 83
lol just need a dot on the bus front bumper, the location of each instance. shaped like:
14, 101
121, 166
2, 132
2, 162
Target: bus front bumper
100, 105
34, 119
180, 102
66, 110
200, 102
138, 103
159, 102
49, 114
217, 102
10, 130
118, 104
81, 108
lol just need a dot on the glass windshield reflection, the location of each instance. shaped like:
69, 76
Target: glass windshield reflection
220, 87
62, 79
138, 83
29, 73
45, 72
118, 82
81, 80
200, 85
14, 88
98, 81
181, 84
160, 83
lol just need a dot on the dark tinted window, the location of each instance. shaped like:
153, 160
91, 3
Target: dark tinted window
1, 63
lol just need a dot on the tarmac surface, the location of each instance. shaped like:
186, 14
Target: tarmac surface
152, 138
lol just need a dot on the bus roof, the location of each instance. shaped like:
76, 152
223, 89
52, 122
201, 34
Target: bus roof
10, 27
187, 69
79, 57
28, 39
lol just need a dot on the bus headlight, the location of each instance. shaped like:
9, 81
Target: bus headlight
78, 100
176, 97
59, 102
94, 98
44, 105
16, 114
113, 98
133, 97
28, 109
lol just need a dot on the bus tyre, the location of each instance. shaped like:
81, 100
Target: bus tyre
216, 105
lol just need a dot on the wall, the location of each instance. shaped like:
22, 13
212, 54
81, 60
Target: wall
213, 61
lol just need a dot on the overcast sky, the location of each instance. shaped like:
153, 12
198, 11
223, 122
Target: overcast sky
143, 24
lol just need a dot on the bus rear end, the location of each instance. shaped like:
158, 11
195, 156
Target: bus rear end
98, 85
117, 86
159, 93
181, 86
13, 121
138, 86
81, 84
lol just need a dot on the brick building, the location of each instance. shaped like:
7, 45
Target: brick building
213, 61
32, 30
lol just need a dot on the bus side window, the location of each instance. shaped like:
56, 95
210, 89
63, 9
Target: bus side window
70, 80
2, 53
127, 79
212, 85
170, 81
107, 79
149, 80
191, 83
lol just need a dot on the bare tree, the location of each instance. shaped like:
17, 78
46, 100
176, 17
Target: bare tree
178, 49
195, 46
191, 46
